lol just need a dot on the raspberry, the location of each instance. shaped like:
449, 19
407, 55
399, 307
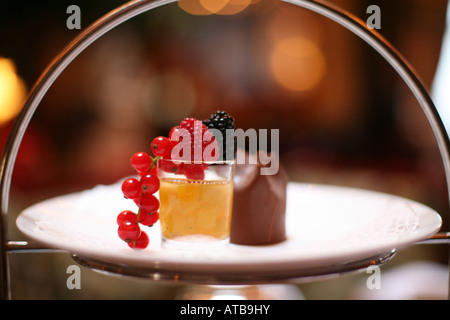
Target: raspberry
200, 139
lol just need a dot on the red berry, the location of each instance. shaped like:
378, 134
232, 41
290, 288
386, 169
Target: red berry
126, 215
161, 147
149, 203
149, 183
148, 219
142, 173
194, 171
131, 188
141, 161
141, 243
201, 137
168, 166
154, 171
187, 123
173, 134
129, 231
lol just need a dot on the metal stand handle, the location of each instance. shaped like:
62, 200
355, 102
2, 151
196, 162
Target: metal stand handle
134, 8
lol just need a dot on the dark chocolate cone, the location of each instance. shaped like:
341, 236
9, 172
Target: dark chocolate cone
259, 206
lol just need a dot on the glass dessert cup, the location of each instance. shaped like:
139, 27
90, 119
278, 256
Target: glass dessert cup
195, 207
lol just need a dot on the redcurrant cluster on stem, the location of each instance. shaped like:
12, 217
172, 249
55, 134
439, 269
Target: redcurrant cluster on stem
141, 191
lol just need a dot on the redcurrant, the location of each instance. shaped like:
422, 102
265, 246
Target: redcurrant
173, 134
129, 231
142, 173
131, 188
149, 203
148, 219
141, 243
141, 161
149, 183
154, 171
161, 147
126, 215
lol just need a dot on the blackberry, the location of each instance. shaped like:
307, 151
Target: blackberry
222, 121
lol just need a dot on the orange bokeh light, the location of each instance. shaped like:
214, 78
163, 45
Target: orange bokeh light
12, 91
297, 63
234, 7
207, 7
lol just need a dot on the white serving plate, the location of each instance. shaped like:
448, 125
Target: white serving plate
328, 229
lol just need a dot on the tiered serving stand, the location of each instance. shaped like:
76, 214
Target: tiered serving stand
354, 250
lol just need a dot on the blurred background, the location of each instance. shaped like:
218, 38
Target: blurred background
345, 117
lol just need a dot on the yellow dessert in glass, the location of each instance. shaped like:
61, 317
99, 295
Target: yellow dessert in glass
197, 209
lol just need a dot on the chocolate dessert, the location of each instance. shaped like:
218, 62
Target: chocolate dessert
259, 206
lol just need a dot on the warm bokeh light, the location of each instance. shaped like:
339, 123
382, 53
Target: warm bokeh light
207, 7
285, 24
297, 63
234, 7
12, 91
213, 6
193, 7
